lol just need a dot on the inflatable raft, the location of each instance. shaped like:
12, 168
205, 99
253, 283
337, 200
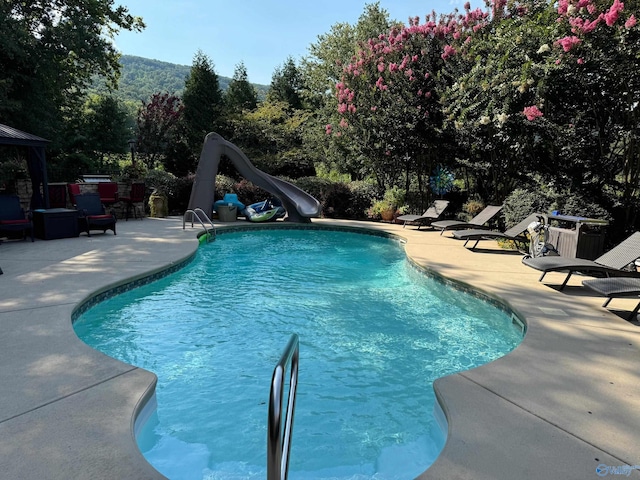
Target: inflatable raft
266, 211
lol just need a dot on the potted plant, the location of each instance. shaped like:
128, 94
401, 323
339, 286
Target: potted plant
389, 207
162, 184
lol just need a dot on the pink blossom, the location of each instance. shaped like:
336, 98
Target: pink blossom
448, 51
381, 67
374, 108
393, 67
630, 23
580, 61
613, 13
567, 43
342, 108
532, 112
380, 84
328, 129
352, 108
343, 123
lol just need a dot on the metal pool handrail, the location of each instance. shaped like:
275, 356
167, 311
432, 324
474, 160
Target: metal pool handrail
199, 214
279, 439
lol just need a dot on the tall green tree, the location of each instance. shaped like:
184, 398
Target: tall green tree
240, 94
107, 129
49, 52
203, 105
286, 85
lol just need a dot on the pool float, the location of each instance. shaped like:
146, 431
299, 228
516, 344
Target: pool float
265, 211
229, 199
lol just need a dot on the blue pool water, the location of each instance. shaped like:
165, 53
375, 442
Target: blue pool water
374, 335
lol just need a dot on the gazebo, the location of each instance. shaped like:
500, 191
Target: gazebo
36, 162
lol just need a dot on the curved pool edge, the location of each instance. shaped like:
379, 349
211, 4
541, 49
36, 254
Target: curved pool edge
564, 402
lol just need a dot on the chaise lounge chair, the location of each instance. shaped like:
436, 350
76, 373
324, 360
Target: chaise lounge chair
515, 233
479, 221
618, 287
609, 264
430, 215
92, 214
13, 218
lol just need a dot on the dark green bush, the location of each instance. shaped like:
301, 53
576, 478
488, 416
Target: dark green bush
578, 205
179, 201
224, 184
362, 196
162, 182
522, 202
249, 193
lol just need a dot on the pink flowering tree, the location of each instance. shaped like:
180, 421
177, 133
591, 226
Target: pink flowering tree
389, 100
598, 95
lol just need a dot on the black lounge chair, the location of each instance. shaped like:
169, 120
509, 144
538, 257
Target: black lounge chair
616, 287
515, 233
92, 214
13, 217
479, 221
610, 264
430, 215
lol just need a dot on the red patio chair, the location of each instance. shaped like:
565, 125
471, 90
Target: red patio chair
136, 196
108, 192
73, 189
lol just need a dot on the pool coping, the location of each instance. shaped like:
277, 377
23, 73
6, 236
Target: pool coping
63, 397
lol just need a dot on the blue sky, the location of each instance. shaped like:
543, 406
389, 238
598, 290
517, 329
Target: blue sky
260, 33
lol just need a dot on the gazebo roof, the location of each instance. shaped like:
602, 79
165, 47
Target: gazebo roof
13, 136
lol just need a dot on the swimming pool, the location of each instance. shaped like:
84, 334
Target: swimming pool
375, 333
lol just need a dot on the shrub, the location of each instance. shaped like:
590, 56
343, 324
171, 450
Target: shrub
162, 182
336, 202
522, 202
362, 196
179, 201
576, 204
224, 185
249, 193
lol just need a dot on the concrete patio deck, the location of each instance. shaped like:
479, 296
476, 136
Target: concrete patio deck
565, 402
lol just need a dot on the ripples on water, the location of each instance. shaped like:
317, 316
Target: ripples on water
374, 335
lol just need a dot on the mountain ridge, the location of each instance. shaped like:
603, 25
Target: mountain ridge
141, 77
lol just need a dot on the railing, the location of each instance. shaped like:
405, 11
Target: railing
202, 217
279, 437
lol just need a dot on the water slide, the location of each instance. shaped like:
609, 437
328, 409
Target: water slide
300, 205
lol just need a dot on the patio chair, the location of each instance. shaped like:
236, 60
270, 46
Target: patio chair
13, 217
73, 189
108, 192
430, 215
610, 264
92, 214
136, 196
616, 287
515, 233
479, 221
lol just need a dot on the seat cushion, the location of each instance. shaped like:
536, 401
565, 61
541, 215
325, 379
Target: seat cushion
14, 222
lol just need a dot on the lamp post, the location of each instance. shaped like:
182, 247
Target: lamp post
132, 147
